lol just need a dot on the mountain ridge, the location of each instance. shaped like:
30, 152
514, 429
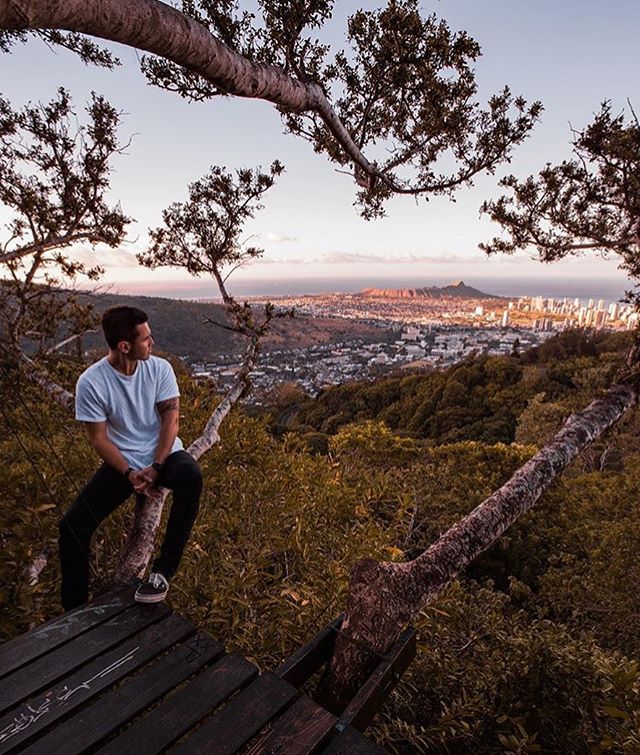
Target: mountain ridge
457, 290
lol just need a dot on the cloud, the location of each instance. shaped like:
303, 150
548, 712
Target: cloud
107, 258
336, 258
518, 263
359, 258
273, 237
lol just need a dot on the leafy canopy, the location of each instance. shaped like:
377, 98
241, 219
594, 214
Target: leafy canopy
203, 233
589, 201
404, 88
397, 104
87, 50
55, 174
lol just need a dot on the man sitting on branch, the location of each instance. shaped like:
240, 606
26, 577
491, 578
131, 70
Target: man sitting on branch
129, 403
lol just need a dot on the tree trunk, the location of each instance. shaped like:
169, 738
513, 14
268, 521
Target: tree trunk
158, 28
141, 538
384, 597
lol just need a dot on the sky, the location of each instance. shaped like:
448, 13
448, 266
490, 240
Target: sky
571, 55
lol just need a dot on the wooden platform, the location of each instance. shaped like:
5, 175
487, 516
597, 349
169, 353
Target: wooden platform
119, 677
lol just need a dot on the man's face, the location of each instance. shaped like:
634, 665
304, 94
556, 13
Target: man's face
143, 343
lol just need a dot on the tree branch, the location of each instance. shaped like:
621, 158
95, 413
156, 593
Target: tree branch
71, 339
35, 375
157, 28
384, 597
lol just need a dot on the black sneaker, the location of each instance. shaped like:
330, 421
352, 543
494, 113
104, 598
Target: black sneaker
154, 590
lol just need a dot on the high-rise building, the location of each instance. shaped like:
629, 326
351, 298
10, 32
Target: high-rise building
505, 319
600, 305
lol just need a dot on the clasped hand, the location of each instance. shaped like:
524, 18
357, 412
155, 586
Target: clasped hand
144, 480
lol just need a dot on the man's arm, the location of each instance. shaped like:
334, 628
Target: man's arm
169, 410
107, 450
110, 453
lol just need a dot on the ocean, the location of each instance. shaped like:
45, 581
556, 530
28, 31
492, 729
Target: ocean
599, 288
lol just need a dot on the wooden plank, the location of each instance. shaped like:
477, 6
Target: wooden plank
165, 724
308, 659
46, 637
93, 723
351, 742
233, 726
26, 721
29, 679
372, 695
299, 731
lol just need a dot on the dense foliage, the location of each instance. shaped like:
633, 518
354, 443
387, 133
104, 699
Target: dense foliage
478, 399
55, 179
591, 201
534, 649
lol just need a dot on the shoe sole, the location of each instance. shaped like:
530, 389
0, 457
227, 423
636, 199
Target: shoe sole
149, 598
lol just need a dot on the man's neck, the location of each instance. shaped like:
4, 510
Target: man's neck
122, 362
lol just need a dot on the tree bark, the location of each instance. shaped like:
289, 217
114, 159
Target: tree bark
384, 597
140, 542
36, 376
74, 338
57, 242
35, 568
158, 28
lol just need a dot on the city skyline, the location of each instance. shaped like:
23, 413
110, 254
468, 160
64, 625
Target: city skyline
545, 53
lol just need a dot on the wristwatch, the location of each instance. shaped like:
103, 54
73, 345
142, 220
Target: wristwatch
157, 466
127, 472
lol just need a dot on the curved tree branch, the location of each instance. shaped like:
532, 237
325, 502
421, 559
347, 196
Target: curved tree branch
164, 31
158, 28
70, 339
38, 377
55, 242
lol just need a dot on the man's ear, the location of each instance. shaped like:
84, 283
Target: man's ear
124, 347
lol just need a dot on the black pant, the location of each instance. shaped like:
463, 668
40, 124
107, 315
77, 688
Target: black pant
104, 492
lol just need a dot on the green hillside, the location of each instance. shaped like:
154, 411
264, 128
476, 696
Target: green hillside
479, 399
535, 649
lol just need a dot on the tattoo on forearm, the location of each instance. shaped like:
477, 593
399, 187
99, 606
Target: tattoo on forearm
168, 405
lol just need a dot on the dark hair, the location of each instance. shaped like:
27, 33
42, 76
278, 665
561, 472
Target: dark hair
119, 324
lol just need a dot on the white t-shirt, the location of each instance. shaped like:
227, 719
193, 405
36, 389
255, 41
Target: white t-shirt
128, 405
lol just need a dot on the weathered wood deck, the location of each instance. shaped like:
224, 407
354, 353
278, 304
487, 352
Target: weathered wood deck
119, 677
